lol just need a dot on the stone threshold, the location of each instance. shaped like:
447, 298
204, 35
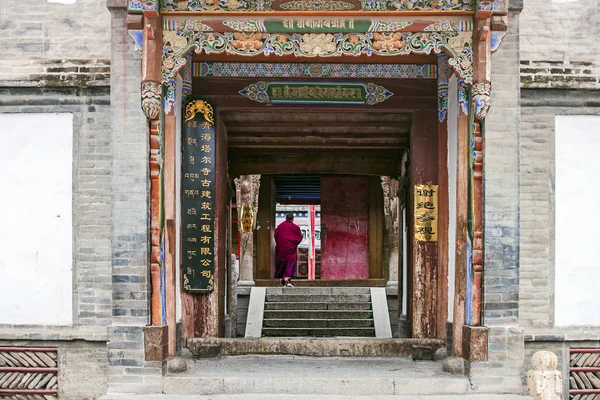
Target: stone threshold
314, 347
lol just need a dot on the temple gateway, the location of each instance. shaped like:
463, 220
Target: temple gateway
433, 157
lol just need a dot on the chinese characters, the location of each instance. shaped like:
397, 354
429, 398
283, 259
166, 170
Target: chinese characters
426, 212
198, 189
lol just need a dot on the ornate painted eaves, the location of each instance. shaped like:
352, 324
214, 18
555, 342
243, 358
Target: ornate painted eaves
178, 43
314, 5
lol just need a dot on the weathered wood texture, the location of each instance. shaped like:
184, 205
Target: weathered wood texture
443, 225
476, 304
156, 309
462, 178
170, 198
424, 170
376, 225
209, 309
266, 222
152, 49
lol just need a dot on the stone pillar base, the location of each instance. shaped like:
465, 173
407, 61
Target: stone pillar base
475, 343
246, 283
156, 343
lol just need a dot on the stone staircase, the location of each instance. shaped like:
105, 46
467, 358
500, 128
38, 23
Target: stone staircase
318, 312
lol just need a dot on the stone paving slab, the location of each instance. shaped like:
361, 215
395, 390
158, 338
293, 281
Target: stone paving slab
310, 397
297, 375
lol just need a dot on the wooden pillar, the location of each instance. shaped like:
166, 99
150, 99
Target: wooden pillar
375, 231
209, 309
265, 243
443, 222
170, 197
462, 204
424, 170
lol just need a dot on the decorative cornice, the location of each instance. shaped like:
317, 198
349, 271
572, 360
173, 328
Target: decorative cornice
314, 70
309, 5
178, 43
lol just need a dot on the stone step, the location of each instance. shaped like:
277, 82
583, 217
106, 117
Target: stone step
313, 347
318, 332
319, 298
315, 305
318, 323
318, 314
293, 375
319, 290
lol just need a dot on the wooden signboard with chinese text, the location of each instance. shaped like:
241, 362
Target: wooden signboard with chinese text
198, 193
426, 213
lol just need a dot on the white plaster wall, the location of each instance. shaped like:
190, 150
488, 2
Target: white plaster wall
452, 165
36, 218
577, 220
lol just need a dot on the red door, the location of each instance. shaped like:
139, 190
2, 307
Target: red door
344, 227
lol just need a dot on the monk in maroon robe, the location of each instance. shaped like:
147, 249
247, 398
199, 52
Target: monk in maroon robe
287, 238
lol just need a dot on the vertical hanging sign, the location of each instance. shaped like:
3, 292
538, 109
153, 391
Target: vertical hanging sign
426, 213
198, 198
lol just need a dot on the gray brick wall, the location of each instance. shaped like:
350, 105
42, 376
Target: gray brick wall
539, 108
127, 369
55, 43
501, 185
502, 371
559, 46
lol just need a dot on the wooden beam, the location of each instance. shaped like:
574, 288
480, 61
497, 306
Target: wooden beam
318, 163
261, 126
399, 104
374, 59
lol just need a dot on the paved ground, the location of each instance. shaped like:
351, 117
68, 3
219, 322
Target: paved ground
313, 378
254, 366
310, 397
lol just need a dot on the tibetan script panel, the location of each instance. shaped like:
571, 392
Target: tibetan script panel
198, 192
316, 93
426, 213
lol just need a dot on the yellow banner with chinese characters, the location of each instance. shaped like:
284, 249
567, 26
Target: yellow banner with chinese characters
247, 218
426, 213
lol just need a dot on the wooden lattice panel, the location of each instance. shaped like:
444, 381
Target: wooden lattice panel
584, 374
28, 373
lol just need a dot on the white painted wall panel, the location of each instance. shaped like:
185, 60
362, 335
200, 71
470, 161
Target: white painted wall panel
36, 231
453, 111
577, 270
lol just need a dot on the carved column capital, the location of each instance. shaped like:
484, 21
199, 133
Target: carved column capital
151, 99
481, 99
